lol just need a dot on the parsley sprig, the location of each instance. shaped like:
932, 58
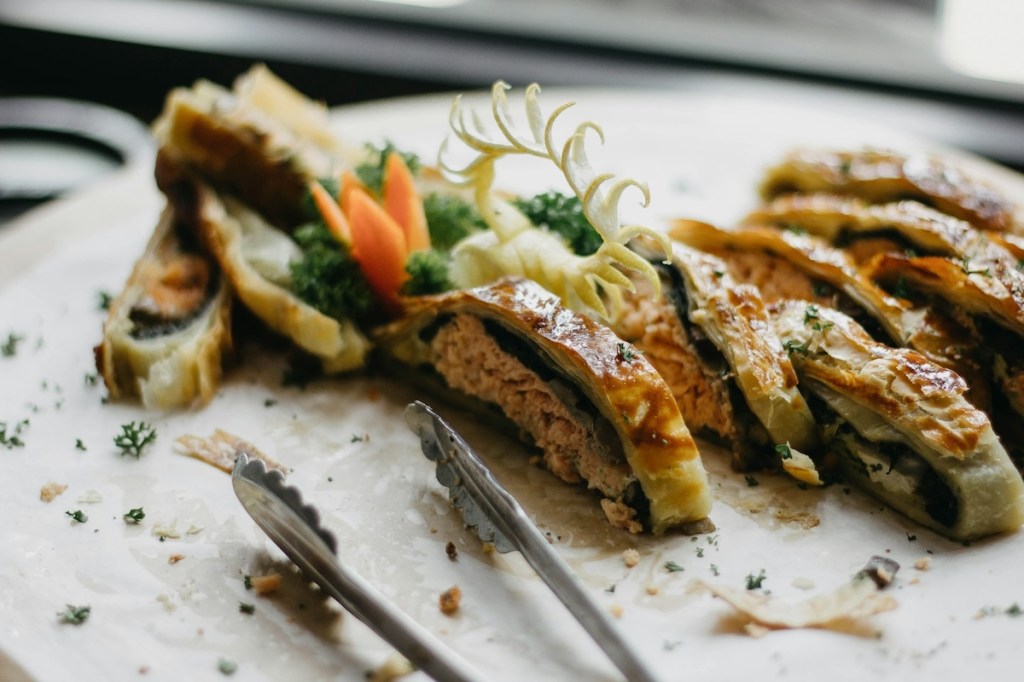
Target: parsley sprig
134, 437
10, 437
9, 348
134, 516
754, 581
75, 615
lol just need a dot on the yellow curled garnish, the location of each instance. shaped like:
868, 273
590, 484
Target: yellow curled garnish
513, 245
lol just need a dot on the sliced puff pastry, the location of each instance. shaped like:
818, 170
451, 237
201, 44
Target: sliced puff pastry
712, 341
166, 332
255, 257
902, 428
596, 408
884, 176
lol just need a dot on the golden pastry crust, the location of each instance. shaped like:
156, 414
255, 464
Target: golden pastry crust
188, 303
733, 317
896, 396
621, 385
223, 225
882, 176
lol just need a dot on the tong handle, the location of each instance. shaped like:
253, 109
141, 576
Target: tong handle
511, 520
306, 546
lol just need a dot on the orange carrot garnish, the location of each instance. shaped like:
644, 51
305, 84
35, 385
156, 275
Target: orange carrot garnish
403, 203
331, 212
378, 244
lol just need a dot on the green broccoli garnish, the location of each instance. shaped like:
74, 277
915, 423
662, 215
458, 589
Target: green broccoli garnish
450, 219
564, 216
428, 272
371, 173
327, 277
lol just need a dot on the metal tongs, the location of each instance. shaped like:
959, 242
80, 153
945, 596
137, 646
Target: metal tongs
498, 519
295, 527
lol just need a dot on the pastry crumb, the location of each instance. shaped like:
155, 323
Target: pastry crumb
90, 497
51, 490
923, 564
451, 551
175, 558
488, 548
616, 610
652, 590
630, 557
803, 583
396, 666
756, 631
450, 600
265, 584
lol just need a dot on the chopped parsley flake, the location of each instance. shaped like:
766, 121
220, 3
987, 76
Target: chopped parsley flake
247, 581
794, 228
10, 438
9, 348
700, 552
75, 615
754, 581
785, 452
78, 515
965, 265
246, 608
714, 569
673, 567
1014, 610
134, 437
227, 666
357, 438
104, 299
821, 290
627, 353
134, 516
79, 445
810, 313
794, 346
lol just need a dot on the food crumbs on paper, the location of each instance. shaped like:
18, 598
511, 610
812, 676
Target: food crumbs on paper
166, 530
630, 557
451, 551
450, 600
652, 590
488, 548
51, 490
165, 599
90, 497
394, 667
175, 558
616, 610
923, 564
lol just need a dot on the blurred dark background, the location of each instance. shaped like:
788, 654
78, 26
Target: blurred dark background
912, 64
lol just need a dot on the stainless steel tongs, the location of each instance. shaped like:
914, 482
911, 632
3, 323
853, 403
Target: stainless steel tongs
498, 518
295, 527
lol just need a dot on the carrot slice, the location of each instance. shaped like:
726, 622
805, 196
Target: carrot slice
331, 212
349, 183
403, 203
378, 244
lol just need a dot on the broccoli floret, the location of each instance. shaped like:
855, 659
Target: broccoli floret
327, 277
450, 219
428, 272
564, 216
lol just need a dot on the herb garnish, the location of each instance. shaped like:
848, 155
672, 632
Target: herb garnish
134, 437
794, 346
227, 666
785, 452
700, 552
78, 515
247, 581
246, 608
673, 567
79, 445
371, 173
714, 569
327, 277
134, 516
754, 581
450, 219
428, 273
564, 216
13, 439
75, 615
626, 353
103, 300
9, 348
965, 265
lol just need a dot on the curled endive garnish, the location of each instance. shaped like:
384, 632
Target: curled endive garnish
513, 245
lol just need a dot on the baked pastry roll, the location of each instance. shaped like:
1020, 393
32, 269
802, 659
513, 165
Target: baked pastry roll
711, 340
883, 176
593, 405
901, 427
256, 258
262, 141
166, 332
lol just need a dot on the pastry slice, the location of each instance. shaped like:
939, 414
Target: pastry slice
590, 402
710, 338
901, 427
262, 141
257, 260
882, 176
167, 330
